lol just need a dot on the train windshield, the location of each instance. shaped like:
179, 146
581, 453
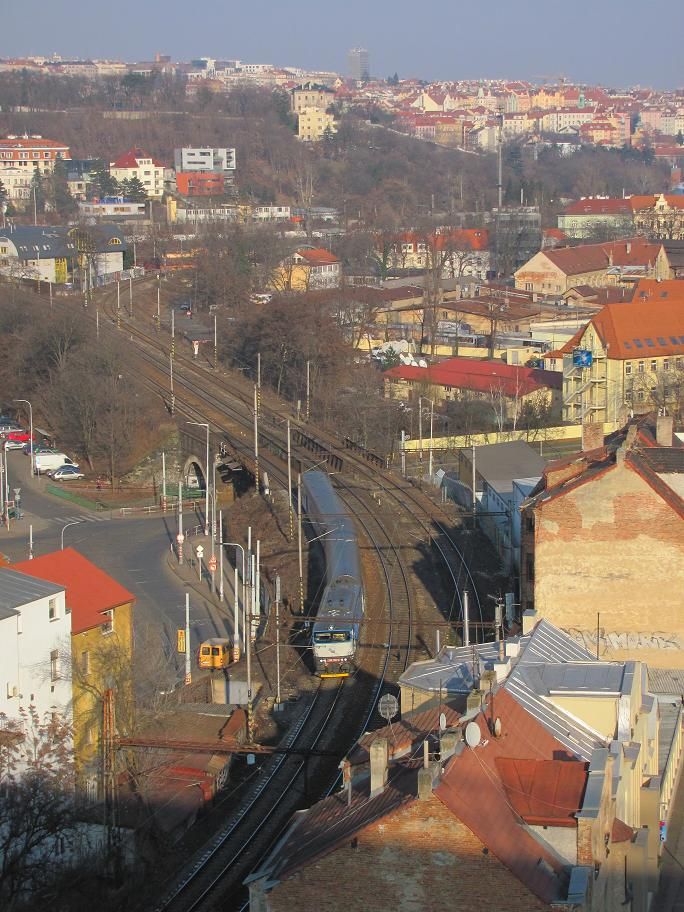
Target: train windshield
332, 636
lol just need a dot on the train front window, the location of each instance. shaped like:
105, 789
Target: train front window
332, 636
215, 650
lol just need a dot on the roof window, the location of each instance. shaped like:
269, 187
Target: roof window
638, 343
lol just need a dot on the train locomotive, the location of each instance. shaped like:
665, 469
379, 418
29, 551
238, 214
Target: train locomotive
335, 632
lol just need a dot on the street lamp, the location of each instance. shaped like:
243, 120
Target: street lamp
76, 522
30, 428
205, 424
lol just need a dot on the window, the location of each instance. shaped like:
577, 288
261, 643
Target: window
108, 626
628, 367
654, 365
54, 665
641, 367
52, 609
85, 662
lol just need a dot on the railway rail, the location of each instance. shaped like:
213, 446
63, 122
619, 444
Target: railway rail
389, 511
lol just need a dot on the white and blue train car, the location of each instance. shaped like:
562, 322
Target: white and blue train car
335, 633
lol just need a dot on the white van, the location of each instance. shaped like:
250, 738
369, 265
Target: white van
46, 462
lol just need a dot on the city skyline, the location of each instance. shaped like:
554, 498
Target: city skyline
531, 40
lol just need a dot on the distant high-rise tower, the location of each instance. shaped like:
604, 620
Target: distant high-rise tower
358, 64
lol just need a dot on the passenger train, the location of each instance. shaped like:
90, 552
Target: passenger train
335, 633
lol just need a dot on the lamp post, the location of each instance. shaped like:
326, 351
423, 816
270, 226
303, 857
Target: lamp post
236, 641
76, 522
205, 424
30, 428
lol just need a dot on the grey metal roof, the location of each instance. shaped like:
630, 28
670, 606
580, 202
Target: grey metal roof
578, 677
46, 242
668, 681
17, 589
500, 463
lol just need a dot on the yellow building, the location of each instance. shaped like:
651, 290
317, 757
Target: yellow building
308, 269
312, 124
311, 96
628, 357
102, 653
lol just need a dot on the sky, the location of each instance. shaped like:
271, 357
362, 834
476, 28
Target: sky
617, 43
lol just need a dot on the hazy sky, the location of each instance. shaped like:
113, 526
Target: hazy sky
615, 42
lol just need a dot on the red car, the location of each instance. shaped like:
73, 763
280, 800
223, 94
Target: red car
16, 440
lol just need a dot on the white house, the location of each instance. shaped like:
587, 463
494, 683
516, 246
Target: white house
196, 158
35, 646
141, 165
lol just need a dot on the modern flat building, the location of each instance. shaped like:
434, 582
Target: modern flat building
359, 68
196, 158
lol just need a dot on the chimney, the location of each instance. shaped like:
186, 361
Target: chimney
664, 428
379, 752
628, 247
424, 783
529, 621
592, 436
447, 745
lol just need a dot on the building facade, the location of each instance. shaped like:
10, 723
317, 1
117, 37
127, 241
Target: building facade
26, 153
140, 165
201, 158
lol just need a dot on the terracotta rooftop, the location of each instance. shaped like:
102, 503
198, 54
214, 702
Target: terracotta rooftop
592, 257
131, 159
89, 591
482, 376
544, 792
637, 330
317, 256
472, 788
599, 207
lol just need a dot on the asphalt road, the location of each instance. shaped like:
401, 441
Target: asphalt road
135, 551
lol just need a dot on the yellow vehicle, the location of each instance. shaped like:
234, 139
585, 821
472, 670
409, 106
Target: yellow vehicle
214, 653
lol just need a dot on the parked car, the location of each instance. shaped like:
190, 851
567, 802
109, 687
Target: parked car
38, 448
21, 436
66, 473
7, 426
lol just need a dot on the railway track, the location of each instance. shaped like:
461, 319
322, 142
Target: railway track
390, 512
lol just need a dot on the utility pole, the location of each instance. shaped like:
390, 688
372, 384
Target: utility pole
188, 670
420, 429
173, 397
118, 304
256, 439
277, 621
215, 344
466, 618
221, 555
173, 333
163, 497
289, 483
130, 296
248, 647
258, 404
158, 316
308, 390
180, 538
403, 454
432, 415
299, 542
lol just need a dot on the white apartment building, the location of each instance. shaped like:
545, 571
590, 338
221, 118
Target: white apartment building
141, 165
26, 153
35, 646
197, 158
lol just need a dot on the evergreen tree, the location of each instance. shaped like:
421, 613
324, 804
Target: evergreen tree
134, 190
59, 196
102, 183
680, 138
3, 195
38, 194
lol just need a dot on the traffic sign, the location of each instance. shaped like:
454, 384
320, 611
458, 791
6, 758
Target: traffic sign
180, 639
212, 564
200, 550
180, 538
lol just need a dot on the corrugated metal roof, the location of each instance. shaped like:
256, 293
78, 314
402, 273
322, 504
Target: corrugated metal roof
666, 681
17, 589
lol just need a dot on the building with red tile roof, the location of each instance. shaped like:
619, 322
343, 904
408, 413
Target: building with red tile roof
490, 380
555, 271
629, 356
604, 535
140, 165
26, 153
90, 592
102, 652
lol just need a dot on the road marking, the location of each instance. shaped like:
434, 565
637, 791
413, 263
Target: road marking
81, 518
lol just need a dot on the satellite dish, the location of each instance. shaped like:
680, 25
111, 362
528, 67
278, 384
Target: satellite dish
442, 722
497, 727
472, 734
388, 706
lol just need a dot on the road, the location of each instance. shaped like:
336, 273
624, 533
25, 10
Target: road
135, 551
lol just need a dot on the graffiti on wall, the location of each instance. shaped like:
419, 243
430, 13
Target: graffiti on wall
611, 640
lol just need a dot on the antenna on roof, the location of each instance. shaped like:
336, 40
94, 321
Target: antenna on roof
472, 735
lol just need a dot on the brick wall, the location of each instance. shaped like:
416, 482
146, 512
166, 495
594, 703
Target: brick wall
419, 858
614, 547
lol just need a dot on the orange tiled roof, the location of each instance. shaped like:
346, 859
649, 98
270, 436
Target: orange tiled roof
31, 144
592, 257
131, 158
641, 330
89, 590
318, 256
